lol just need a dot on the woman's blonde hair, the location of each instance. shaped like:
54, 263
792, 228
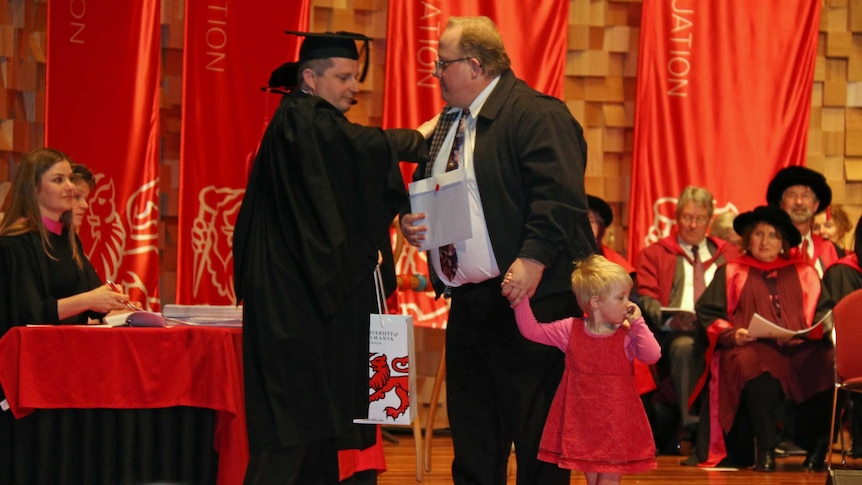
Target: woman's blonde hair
596, 276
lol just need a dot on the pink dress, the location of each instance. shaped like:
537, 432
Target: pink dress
597, 422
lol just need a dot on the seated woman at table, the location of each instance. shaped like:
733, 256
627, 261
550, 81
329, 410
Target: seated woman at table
46, 276
751, 376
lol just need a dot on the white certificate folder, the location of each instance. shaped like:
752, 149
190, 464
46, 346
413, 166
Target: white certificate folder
444, 200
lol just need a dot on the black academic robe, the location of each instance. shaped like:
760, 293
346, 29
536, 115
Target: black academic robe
31, 282
843, 277
320, 197
32, 449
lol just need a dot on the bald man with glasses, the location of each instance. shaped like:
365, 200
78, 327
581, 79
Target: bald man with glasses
522, 156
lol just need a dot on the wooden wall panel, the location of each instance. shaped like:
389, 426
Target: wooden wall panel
602, 72
23, 28
835, 136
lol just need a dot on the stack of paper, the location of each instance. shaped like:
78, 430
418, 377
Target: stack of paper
212, 315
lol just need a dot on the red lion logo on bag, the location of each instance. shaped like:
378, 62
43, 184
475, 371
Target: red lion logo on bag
381, 382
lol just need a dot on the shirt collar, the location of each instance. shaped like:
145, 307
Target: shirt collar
687, 247
477, 103
55, 227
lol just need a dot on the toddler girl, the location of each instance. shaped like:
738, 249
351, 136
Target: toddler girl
597, 423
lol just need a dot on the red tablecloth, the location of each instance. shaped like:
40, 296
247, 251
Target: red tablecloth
129, 368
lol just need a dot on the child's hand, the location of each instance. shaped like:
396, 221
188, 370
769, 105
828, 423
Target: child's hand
633, 312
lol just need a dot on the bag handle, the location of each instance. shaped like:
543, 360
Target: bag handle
380, 291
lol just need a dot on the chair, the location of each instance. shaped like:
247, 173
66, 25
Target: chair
432, 410
848, 365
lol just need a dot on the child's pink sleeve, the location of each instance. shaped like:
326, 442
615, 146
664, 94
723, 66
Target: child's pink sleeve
555, 333
640, 343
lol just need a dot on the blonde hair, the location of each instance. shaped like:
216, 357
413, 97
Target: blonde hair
699, 195
722, 225
596, 276
481, 39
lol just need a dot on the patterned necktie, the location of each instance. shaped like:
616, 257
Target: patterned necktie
805, 256
699, 279
448, 256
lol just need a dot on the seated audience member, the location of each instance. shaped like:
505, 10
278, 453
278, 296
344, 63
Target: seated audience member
751, 376
841, 279
722, 228
833, 224
601, 217
801, 192
673, 272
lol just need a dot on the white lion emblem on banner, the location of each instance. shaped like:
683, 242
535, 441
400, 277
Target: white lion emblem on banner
113, 238
212, 239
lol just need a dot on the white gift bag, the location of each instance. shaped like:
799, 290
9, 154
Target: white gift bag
391, 378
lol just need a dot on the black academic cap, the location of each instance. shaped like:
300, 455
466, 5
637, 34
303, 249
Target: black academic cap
322, 45
600, 207
283, 77
797, 175
772, 215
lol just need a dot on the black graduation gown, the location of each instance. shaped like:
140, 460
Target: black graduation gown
31, 283
842, 279
320, 197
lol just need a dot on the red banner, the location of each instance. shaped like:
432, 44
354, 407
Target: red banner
102, 111
723, 102
230, 50
413, 94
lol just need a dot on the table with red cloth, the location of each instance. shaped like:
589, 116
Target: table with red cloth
54, 367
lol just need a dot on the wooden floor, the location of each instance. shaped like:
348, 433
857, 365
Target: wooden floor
401, 464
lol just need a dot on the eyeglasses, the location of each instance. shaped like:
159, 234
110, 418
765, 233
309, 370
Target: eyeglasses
440, 65
688, 219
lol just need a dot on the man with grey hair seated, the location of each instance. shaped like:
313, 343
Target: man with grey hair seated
672, 273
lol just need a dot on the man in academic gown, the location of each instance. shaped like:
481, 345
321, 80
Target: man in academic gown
667, 276
802, 192
320, 197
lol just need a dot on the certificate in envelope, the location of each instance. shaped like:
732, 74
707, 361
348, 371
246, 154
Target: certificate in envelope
444, 200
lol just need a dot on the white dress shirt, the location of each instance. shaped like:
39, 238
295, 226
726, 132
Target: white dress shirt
476, 260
